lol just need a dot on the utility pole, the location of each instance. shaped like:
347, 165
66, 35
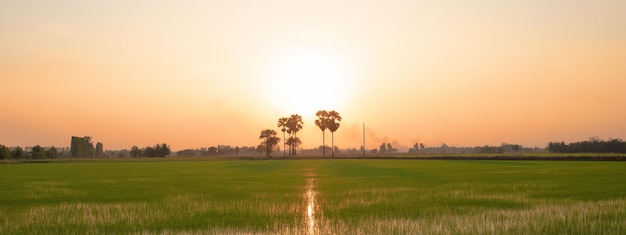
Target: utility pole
364, 139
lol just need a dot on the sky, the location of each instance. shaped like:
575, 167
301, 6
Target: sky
202, 73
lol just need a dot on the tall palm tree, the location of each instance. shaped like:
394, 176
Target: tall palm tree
333, 124
294, 124
282, 124
322, 119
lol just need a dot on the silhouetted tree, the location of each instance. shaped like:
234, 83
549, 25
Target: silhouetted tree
162, 150
491, 149
270, 141
99, 150
333, 124
322, 120
383, 148
159, 150
294, 124
324, 149
593, 145
5, 152
260, 148
38, 152
18, 152
294, 142
149, 152
282, 124
212, 150
52, 152
81, 147
415, 149
135, 152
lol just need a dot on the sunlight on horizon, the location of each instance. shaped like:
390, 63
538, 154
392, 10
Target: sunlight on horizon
309, 78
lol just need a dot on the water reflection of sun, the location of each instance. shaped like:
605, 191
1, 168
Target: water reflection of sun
311, 195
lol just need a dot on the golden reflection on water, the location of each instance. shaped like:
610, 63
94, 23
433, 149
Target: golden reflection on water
311, 195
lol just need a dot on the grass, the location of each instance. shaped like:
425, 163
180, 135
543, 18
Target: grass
313, 196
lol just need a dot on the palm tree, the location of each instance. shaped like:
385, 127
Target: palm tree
269, 141
294, 124
282, 123
294, 142
333, 124
322, 119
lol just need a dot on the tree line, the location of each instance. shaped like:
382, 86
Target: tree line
83, 147
217, 150
158, 150
36, 152
593, 145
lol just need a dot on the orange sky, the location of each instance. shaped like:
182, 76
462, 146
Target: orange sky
201, 73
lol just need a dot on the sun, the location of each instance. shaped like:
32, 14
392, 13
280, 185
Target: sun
304, 81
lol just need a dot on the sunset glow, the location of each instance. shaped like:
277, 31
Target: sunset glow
305, 80
202, 73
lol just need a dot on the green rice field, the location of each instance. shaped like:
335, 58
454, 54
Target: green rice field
314, 196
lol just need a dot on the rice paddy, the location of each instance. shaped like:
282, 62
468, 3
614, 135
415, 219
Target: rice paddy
315, 196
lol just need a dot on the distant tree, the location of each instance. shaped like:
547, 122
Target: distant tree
18, 152
294, 142
444, 147
162, 150
135, 152
593, 145
82, 147
260, 148
415, 149
383, 148
282, 124
212, 150
294, 124
158, 150
99, 150
516, 147
149, 152
38, 152
422, 146
321, 121
5, 152
491, 149
324, 148
185, 152
333, 124
52, 152
270, 141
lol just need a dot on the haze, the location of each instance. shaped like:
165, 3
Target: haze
201, 73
